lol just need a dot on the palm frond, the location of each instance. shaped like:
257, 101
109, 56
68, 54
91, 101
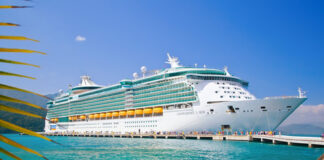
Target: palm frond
3, 86
3, 73
9, 154
8, 24
16, 62
16, 128
10, 99
19, 50
6, 7
15, 144
18, 111
17, 38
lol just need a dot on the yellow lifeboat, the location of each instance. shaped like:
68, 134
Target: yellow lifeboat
52, 120
139, 111
70, 118
148, 111
74, 118
122, 113
97, 115
115, 114
83, 117
131, 112
158, 110
109, 114
102, 115
91, 116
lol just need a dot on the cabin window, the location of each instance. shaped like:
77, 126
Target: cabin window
231, 109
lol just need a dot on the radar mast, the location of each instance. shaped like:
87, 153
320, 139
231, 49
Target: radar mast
173, 61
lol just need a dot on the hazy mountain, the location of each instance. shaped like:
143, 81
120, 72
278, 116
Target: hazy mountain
34, 99
31, 123
301, 129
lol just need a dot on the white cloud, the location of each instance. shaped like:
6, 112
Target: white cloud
307, 114
80, 38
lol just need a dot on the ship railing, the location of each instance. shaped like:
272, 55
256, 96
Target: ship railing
281, 97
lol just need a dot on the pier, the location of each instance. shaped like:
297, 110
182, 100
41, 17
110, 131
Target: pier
274, 139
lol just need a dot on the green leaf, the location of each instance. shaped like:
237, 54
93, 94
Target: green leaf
3, 86
19, 50
9, 154
16, 128
17, 38
9, 99
18, 111
16, 62
7, 7
8, 24
2, 73
15, 144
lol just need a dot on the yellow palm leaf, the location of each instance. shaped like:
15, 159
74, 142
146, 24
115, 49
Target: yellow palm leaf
17, 38
9, 99
18, 111
16, 62
9, 154
2, 73
16, 128
6, 7
15, 144
8, 24
3, 86
19, 50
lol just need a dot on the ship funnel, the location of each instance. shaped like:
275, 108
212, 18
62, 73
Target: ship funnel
86, 81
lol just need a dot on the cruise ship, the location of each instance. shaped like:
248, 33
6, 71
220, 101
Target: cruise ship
176, 99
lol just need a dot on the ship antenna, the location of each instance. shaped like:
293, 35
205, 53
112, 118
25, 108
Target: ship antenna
173, 61
301, 93
226, 71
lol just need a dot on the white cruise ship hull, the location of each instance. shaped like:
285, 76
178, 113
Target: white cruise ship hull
248, 115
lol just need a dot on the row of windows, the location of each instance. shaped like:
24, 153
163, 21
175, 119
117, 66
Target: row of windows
131, 122
140, 126
244, 83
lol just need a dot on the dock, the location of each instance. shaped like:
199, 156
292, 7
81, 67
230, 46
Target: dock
274, 139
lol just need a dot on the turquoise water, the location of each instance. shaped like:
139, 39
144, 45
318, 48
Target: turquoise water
84, 148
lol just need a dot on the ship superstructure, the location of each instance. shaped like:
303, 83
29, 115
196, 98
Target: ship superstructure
174, 99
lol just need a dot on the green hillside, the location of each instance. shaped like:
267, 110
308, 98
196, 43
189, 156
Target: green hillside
31, 123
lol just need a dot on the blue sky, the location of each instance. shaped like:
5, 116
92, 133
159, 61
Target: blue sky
277, 46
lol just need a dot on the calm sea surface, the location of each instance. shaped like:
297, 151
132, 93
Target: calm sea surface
79, 148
